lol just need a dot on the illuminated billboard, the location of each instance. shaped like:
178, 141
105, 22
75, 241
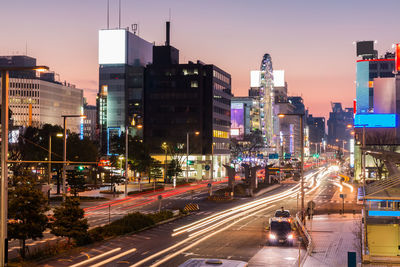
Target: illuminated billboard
237, 119
255, 78
362, 86
279, 78
113, 46
373, 120
235, 132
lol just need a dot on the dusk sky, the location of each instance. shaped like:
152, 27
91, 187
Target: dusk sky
311, 40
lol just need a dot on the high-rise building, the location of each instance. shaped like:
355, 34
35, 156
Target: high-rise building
37, 100
90, 122
338, 120
262, 82
122, 58
316, 130
182, 99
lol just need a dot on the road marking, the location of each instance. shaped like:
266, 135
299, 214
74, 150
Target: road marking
114, 257
95, 258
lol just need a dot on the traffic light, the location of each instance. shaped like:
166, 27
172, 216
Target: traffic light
80, 168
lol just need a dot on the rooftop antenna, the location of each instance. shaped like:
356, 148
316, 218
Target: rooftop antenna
26, 48
169, 14
108, 14
119, 16
167, 43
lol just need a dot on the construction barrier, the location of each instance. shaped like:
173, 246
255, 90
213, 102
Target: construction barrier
191, 207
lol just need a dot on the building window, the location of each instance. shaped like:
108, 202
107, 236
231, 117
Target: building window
194, 84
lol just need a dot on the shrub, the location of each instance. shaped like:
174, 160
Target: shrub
131, 222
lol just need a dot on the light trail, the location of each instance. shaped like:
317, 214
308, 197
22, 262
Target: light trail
238, 213
338, 185
349, 186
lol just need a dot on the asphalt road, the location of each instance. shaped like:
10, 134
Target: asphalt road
100, 213
230, 230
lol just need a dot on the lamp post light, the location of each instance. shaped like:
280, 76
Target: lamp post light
49, 166
65, 152
187, 153
164, 146
302, 159
5, 84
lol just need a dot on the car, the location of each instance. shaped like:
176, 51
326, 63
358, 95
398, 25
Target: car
282, 213
202, 262
280, 231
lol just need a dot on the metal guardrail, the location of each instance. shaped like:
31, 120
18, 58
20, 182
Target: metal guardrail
305, 233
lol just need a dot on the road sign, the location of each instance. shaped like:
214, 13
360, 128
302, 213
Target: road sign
273, 156
287, 156
260, 156
207, 167
311, 205
342, 195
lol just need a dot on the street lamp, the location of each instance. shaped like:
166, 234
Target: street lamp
302, 159
65, 151
187, 153
49, 170
164, 146
5, 84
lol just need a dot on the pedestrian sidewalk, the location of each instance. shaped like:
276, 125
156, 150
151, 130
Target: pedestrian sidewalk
332, 236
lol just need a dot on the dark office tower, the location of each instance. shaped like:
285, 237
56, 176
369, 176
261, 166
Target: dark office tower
122, 58
337, 124
316, 127
182, 99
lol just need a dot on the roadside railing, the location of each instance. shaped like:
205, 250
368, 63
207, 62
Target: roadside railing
305, 233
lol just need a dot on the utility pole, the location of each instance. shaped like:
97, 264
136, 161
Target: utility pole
126, 160
187, 156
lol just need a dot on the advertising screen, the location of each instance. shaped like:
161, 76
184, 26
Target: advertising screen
237, 119
112, 46
279, 78
365, 48
362, 86
255, 78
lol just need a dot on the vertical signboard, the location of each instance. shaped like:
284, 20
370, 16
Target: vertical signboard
397, 57
291, 141
351, 153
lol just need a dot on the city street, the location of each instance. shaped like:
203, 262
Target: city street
100, 213
231, 230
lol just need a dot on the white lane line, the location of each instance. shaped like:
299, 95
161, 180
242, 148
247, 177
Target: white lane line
114, 258
95, 258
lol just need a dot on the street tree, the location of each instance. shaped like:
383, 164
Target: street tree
26, 209
69, 220
382, 140
174, 168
